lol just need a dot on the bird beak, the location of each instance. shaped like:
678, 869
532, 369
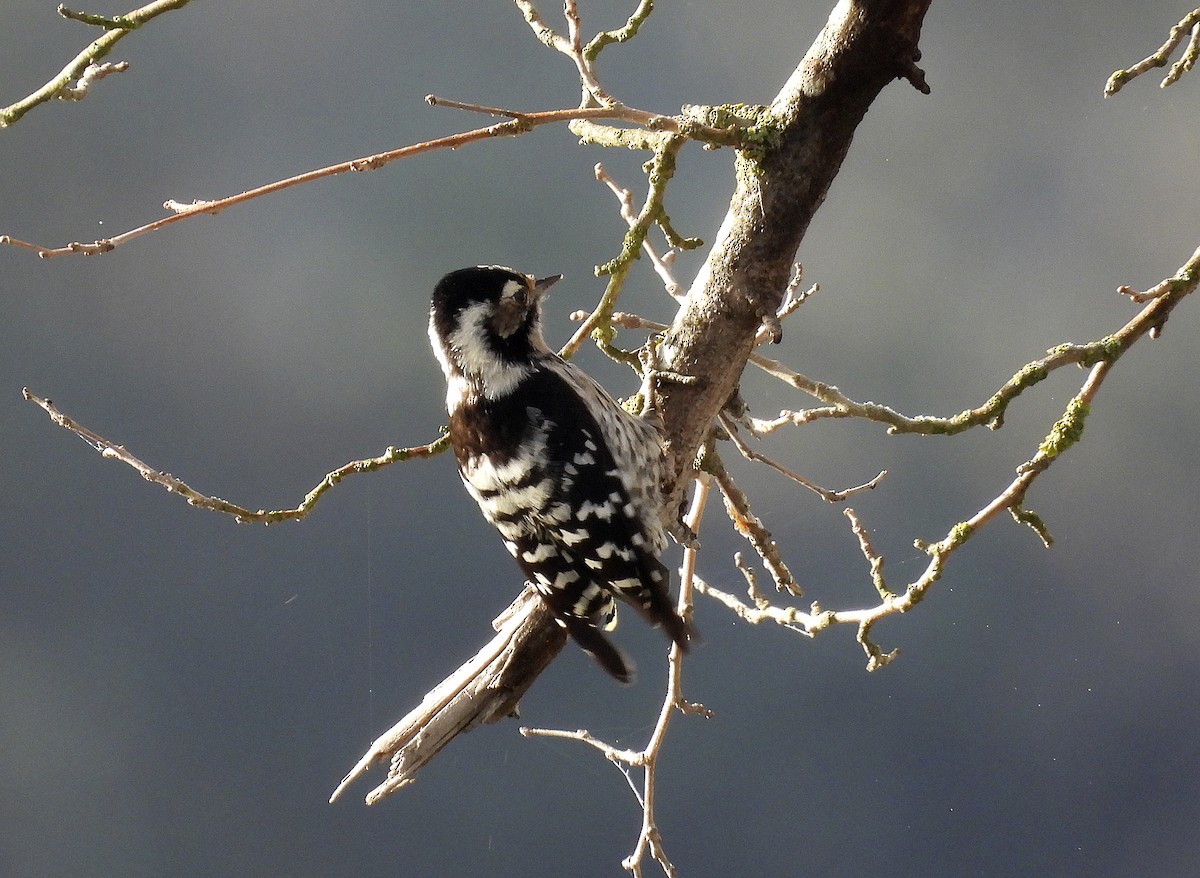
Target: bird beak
542, 284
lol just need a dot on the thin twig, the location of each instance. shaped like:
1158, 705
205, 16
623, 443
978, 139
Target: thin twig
611, 753
435, 101
625, 199
826, 493
772, 328
868, 550
788, 617
242, 515
1189, 24
520, 123
92, 73
571, 46
661, 169
78, 69
622, 34
745, 522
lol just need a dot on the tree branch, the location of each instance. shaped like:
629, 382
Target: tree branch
864, 46
650, 839
519, 123
1188, 25
242, 515
85, 68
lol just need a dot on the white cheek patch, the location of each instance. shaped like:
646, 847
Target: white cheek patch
512, 287
470, 350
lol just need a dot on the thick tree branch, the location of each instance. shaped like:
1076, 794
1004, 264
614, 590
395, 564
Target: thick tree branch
863, 47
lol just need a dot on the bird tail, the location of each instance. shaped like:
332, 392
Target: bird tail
592, 641
652, 600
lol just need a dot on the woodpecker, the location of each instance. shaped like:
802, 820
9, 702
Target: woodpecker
569, 478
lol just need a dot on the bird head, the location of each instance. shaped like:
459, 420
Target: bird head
486, 320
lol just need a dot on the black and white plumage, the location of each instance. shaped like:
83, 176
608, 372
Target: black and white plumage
569, 478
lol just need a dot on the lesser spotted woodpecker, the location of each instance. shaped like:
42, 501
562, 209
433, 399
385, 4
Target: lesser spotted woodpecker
569, 478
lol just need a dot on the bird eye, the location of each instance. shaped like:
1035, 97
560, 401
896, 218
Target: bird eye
521, 297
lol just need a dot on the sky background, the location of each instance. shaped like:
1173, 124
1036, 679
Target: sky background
180, 694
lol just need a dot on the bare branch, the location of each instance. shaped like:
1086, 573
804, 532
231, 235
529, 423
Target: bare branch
571, 46
788, 617
545, 34
745, 522
1067, 431
1149, 321
1189, 24
435, 101
91, 74
772, 326
825, 493
661, 169
519, 123
661, 265
868, 551
611, 753
113, 451
85, 66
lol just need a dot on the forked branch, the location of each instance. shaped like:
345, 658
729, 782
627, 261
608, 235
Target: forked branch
1189, 27
519, 123
74, 80
1159, 301
242, 515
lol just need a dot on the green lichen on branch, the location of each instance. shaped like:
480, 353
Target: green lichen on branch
1188, 26
674, 239
596, 134
752, 128
121, 22
990, 412
659, 171
1033, 521
1066, 431
957, 535
619, 35
116, 27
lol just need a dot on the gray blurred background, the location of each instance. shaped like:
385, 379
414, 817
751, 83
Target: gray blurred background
180, 694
